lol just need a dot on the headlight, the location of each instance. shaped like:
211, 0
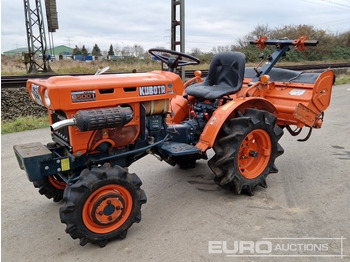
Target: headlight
47, 98
36, 94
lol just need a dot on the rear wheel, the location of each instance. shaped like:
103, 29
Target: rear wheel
245, 151
102, 205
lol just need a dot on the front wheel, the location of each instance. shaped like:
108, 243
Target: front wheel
245, 151
51, 187
102, 205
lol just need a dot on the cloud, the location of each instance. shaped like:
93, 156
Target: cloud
147, 23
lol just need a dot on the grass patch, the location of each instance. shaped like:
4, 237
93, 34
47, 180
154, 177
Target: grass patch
24, 123
342, 79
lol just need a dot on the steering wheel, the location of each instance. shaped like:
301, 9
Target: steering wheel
173, 58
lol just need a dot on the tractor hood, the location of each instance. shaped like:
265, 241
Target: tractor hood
93, 91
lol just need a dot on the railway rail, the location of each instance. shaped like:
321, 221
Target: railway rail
20, 81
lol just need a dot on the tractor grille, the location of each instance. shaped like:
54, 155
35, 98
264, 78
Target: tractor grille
61, 135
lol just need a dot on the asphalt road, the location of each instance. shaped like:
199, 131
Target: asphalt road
186, 211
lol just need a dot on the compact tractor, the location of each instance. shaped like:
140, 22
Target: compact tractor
101, 124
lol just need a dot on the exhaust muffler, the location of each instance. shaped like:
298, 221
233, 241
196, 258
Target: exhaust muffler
95, 119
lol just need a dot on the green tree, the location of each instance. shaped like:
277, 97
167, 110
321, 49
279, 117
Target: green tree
84, 52
344, 39
96, 51
331, 46
111, 51
76, 51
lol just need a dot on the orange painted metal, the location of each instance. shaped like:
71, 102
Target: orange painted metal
197, 78
300, 43
299, 104
180, 108
260, 43
254, 153
124, 88
56, 182
109, 91
107, 209
228, 111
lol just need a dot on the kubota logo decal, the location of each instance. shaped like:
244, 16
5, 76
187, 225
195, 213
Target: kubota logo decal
152, 90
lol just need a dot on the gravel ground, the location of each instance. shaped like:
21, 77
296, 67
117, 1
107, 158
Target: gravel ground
16, 102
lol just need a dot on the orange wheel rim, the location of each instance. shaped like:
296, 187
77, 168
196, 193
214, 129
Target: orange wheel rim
254, 153
57, 183
107, 209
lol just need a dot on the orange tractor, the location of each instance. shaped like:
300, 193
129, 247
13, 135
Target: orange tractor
101, 124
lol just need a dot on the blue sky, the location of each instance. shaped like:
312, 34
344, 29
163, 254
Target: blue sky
207, 23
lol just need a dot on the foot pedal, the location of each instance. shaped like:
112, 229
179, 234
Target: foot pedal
179, 149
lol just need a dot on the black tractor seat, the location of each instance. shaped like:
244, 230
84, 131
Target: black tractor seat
225, 77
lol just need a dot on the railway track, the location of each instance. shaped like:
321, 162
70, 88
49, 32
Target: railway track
20, 81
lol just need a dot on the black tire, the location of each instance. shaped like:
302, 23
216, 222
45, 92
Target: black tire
102, 205
51, 187
245, 151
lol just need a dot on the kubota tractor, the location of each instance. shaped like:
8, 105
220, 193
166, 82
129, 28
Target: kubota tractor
101, 124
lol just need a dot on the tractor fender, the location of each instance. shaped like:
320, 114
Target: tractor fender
228, 111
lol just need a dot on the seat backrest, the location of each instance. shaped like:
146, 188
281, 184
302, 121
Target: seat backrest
227, 68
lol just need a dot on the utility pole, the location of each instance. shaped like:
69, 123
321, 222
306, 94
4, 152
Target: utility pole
178, 28
36, 38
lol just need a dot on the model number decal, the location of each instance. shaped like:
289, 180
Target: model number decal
152, 90
83, 96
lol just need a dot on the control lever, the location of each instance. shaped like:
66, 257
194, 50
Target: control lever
188, 101
191, 113
261, 56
